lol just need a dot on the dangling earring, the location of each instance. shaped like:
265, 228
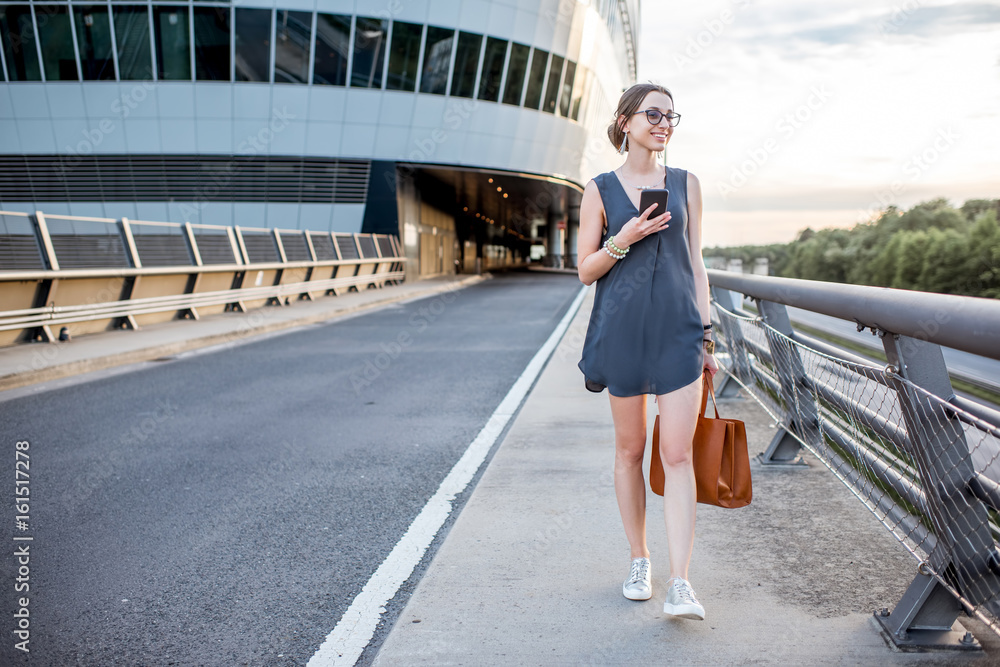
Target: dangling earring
621, 151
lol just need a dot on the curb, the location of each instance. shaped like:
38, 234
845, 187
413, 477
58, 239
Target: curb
15, 380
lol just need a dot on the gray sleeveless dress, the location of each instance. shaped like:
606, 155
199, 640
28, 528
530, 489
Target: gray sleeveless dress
645, 333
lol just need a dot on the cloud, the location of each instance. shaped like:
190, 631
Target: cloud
942, 21
743, 81
800, 32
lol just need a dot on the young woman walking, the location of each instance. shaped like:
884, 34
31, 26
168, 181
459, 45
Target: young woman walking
650, 329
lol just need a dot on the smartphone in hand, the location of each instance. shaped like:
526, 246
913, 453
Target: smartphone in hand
658, 196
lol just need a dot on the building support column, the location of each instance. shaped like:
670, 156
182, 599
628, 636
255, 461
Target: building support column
572, 235
408, 205
554, 254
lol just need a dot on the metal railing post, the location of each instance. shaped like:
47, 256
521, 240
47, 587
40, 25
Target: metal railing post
193, 278
240, 252
926, 615
132, 281
801, 413
47, 247
48, 250
133, 251
192, 244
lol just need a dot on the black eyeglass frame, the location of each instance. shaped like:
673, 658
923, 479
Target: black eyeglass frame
670, 116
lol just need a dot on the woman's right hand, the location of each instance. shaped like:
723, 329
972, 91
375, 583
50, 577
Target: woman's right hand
639, 228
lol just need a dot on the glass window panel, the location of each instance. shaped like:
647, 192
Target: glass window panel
578, 88
591, 95
211, 43
253, 44
132, 38
291, 46
463, 83
18, 35
369, 52
489, 81
437, 60
552, 88
93, 36
56, 37
516, 69
536, 79
404, 55
173, 43
567, 89
333, 39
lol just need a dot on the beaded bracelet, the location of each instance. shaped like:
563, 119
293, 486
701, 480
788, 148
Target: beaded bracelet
615, 248
611, 253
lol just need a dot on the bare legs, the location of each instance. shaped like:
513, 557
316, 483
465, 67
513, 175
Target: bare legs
678, 411
629, 414
678, 417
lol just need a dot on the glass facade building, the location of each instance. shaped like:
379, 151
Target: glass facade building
332, 115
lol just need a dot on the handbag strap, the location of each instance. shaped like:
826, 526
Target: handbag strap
708, 389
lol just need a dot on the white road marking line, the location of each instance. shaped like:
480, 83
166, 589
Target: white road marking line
344, 645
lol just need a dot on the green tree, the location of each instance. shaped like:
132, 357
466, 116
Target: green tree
933, 214
974, 207
945, 263
910, 262
983, 261
882, 271
864, 245
933, 246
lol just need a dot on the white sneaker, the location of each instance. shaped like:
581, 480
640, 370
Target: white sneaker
681, 601
638, 586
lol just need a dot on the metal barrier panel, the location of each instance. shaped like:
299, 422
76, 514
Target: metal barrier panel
215, 245
127, 273
161, 243
929, 471
85, 243
19, 246
294, 245
322, 243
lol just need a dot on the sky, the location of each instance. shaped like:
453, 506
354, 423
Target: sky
803, 114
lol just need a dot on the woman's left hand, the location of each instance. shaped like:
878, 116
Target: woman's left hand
711, 365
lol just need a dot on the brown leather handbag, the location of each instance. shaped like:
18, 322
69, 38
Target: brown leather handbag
721, 460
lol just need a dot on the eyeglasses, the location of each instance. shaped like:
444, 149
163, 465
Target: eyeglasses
654, 116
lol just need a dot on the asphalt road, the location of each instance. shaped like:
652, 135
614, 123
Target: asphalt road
225, 507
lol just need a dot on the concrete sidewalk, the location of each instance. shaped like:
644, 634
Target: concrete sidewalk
30, 363
531, 571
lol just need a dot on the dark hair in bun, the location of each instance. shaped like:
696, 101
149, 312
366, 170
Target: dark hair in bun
628, 104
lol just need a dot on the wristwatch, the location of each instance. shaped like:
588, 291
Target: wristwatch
710, 346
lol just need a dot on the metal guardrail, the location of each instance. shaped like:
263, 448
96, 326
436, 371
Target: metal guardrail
924, 461
57, 315
89, 248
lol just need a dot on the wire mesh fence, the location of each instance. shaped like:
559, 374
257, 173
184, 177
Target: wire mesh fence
929, 471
